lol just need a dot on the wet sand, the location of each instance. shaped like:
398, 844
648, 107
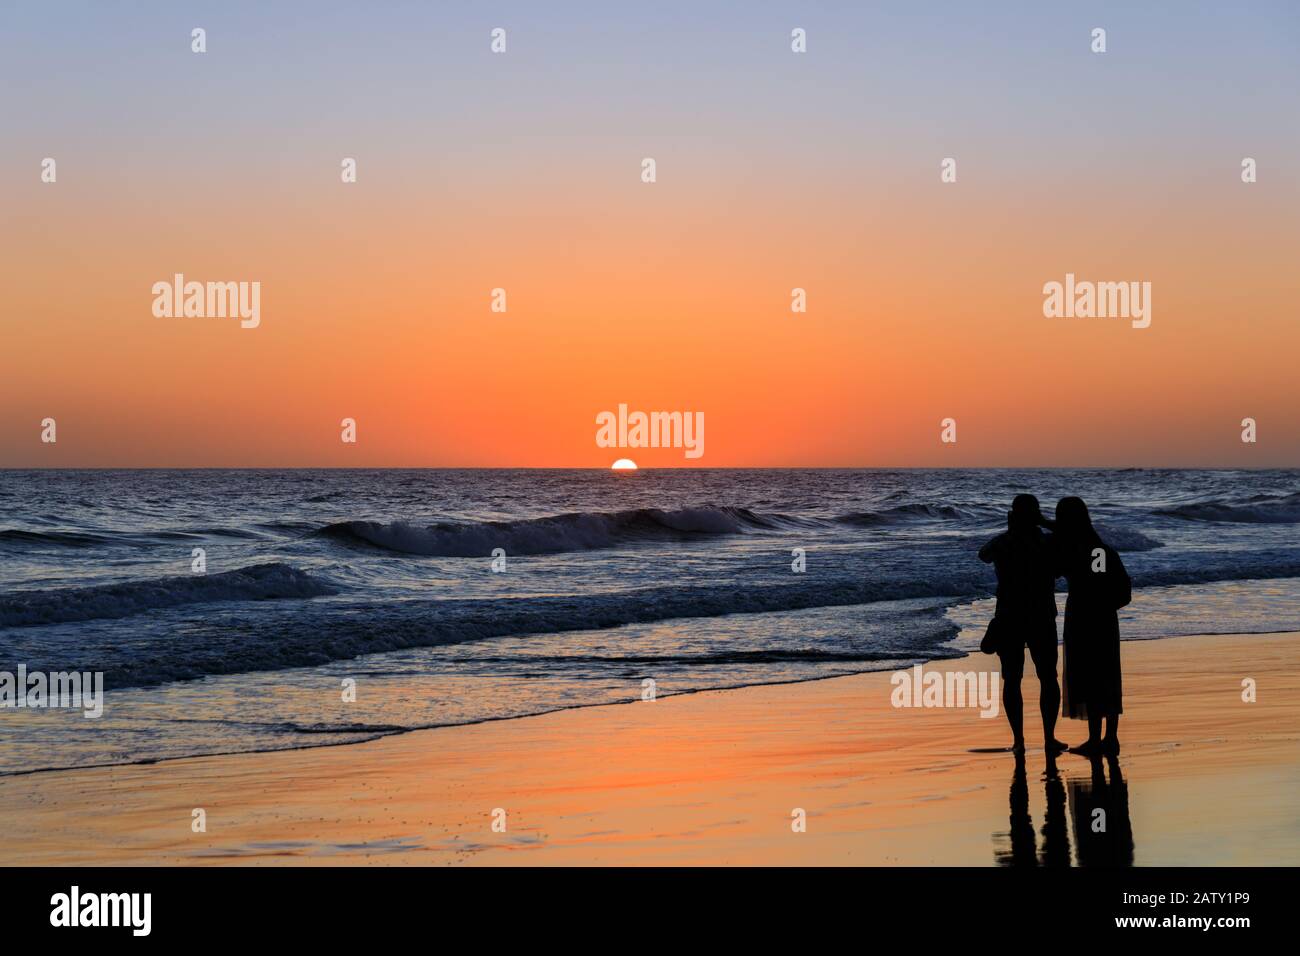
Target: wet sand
718, 778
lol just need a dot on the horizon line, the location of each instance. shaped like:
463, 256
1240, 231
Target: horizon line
606, 468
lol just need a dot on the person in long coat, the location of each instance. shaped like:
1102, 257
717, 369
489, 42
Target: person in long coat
1098, 586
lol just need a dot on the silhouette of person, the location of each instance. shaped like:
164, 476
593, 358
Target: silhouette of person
1056, 835
1018, 846
1099, 586
1025, 616
1021, 849
1103, 831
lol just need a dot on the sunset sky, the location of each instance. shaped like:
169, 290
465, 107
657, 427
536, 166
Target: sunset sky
775, 170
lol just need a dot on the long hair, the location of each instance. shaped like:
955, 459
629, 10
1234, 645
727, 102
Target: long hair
1074, 524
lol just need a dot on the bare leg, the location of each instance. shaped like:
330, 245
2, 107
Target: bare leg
1049, 704
1014, 707
1111, 742
1092, 746
1049, 691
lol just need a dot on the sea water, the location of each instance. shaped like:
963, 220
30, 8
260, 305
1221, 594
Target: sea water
312, 581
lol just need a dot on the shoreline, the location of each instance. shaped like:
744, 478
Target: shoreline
971, 654
713, 776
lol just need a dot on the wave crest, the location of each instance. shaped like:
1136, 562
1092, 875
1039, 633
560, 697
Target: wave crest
1126, 539
61, 605
578, 531
904, 513
67, 539
1262, 509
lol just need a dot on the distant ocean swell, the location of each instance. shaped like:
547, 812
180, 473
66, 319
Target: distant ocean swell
281, 581
586, 531
1259, 509
590, 530
579, 531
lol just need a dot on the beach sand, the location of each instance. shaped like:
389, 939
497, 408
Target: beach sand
716, 778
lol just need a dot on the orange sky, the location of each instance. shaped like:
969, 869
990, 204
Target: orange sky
924, 299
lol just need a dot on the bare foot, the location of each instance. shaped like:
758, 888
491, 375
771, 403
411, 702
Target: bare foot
1057, 747
1089, 748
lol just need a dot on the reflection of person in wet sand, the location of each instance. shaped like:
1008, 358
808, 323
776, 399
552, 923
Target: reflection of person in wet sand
1103, 832
1019, 846
1097, 808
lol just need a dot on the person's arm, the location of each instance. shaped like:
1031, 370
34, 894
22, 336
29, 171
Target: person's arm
990, 551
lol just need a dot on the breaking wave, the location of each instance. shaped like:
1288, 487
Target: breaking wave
1262, 509
60, 605
579, 531
1127, 539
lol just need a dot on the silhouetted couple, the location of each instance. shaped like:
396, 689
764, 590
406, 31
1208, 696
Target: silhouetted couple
1028, 561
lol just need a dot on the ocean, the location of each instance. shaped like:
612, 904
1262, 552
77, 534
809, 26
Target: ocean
314, 581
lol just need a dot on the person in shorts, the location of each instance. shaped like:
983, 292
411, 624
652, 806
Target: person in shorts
1024, 561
